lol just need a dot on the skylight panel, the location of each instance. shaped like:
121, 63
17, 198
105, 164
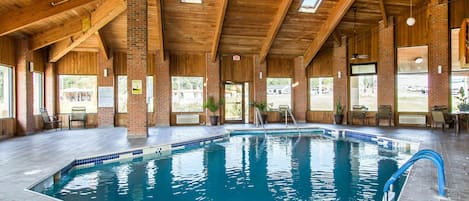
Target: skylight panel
310, 6
191, 1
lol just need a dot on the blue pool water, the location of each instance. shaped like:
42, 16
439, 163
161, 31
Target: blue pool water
247, 167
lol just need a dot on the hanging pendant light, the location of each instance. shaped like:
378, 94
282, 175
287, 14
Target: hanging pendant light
411, 20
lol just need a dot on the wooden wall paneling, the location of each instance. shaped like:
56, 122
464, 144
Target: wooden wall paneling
7, 51
38, 122
121, 119
412, 35
321, 66
280, 67
459, 9
151, 64
78, 63
39, 61
120, 63
320, 116
367, 43
187, 65
237, 71
7, 128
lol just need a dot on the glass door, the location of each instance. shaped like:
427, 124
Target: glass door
234, 99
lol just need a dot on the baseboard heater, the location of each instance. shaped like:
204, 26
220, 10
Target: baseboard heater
187, 119
413, 119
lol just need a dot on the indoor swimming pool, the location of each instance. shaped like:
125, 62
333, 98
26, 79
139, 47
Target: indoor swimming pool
306, 166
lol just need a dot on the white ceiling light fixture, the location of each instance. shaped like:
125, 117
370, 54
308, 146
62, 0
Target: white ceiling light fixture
411, 20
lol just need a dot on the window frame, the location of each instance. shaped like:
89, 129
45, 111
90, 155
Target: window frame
202, 109
270, 105
41, 93
350, 91
76, 75
311, 96
11, 99
375, 67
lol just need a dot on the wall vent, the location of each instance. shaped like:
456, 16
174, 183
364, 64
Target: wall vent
413, 119
187, 119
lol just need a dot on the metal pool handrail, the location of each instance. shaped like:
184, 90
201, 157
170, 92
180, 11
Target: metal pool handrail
422, 154
259, 119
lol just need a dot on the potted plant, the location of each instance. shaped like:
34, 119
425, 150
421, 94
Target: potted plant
213, 106
463, 106
339, 112
262, 106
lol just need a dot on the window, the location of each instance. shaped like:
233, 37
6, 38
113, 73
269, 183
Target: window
122, 93
321, 97
310, 6
364, 91
38, 92
6, 89
187, 94
278, 92
460, 75
412, 79
78, 90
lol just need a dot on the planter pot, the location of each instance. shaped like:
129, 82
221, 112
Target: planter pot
264, 118
214, 120
338, 118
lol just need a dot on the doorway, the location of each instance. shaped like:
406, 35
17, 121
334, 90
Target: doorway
236, 106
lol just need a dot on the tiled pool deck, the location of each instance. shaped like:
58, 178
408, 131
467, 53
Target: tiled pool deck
26, 160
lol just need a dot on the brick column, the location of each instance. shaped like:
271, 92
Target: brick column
438, 49
24, 89
339, 63
212, 81
137, 53
300, 90
50, 86
386, 65
163, 92
259, 85
105, 114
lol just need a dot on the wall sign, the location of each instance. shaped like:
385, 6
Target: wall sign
136, 86
105, 96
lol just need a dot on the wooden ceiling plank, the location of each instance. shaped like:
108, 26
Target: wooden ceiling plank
159, 27
105, 13
218, 30
20, 18
102, 44
383, 12
56, 34
335, 16
276, 24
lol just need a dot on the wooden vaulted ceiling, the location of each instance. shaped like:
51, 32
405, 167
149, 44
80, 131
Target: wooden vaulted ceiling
260, 27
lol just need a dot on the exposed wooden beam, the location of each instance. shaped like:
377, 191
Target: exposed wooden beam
102, 44
326, 29
56, 34
383, 12
17, 19
276, 24
107, 11
218, 30
85, 49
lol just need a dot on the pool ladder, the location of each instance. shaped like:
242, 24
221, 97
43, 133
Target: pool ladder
422, 154
287, 113
259, 120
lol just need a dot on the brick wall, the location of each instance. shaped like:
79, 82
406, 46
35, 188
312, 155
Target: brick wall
300, 90
212, 83
438, 49
339, 63
386, 65
105, 114
137, 52
24, 89
50, 88
163, 92
259, 92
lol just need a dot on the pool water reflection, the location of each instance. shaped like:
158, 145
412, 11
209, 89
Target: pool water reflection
279, 167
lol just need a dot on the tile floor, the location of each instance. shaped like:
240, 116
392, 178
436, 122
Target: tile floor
26, 160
